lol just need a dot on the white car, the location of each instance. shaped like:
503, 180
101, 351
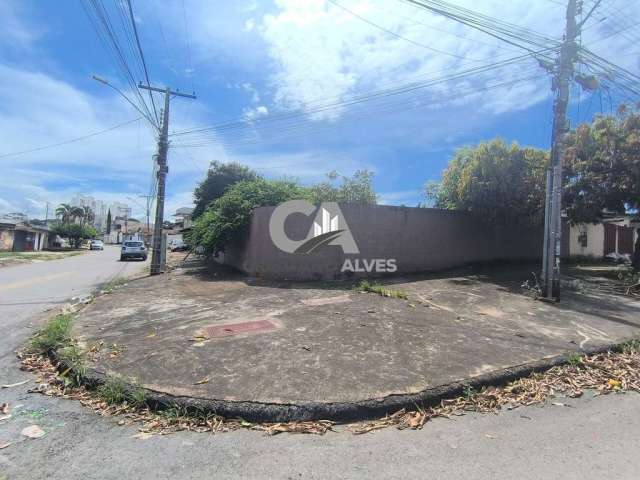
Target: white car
96, 245
133, 249
178, 246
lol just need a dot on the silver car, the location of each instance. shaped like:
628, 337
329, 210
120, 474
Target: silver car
133, 249
96, 245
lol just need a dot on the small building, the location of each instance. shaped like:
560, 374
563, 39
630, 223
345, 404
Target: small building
22, 236
613, 235
121, 228
183, 218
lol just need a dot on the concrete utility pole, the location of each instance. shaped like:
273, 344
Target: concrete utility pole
161, 157
553, 201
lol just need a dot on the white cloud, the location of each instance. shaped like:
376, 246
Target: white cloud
410, 198
321, 52
249, 25
255, 113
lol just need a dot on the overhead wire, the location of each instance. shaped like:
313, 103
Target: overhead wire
72, 140
320, 108
144, 63
289, 131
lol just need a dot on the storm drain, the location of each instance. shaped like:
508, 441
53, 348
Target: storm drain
229, 329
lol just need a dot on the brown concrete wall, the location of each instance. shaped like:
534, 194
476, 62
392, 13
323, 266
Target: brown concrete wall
419, 239
6, 240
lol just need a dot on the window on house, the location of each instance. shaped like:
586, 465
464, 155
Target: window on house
583, 239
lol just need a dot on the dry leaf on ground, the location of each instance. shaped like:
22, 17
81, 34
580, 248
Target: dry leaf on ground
11, 385
33, 431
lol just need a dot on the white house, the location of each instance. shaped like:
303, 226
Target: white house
612, 235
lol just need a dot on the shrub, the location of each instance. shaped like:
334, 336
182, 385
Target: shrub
227, 218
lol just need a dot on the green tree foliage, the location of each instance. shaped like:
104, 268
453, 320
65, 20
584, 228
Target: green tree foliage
68, 213
602, 167
355, 189
87, 215
219, 177
109, 222
74, 232
226, 219
502, 183
64, 212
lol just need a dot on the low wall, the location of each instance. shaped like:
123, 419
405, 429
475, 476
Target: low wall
419, 239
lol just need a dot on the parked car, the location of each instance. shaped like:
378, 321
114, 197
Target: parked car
178, 246
96, 245
133, 249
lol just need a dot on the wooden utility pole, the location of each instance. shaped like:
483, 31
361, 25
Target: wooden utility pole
163, 168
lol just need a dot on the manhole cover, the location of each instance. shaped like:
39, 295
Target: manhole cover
228, 329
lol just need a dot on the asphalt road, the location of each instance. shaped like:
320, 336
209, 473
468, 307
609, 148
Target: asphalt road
593, 438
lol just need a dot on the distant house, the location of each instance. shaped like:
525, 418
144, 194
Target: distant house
613, 235
122, 228
22, 236
183, 218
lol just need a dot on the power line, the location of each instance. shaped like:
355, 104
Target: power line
357, 99
390, 32
281, 133
66, 142
144, 63
106, 33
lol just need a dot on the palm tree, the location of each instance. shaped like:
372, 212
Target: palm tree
87, 215
77, 213
65, 212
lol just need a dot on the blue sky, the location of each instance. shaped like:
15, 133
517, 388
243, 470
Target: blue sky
252, 60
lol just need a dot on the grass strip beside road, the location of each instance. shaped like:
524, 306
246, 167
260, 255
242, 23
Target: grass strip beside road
11, 258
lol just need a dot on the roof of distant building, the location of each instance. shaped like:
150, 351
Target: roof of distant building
183, 211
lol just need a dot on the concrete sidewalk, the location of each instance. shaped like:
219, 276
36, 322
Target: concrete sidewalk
292, 351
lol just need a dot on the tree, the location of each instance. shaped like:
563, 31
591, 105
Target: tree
87, 215
502, 183
77, 213
219, 177
226, 219
74, 232
355, 189
109, 222
602, 167
65, 212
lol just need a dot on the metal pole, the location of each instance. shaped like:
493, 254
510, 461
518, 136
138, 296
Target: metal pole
163, 169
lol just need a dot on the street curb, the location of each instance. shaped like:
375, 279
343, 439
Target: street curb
353, 411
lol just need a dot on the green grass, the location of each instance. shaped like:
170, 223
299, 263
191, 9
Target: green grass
366, 286
55, 335
115, 391
574, 359
71, 357
37, 255
631, 346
